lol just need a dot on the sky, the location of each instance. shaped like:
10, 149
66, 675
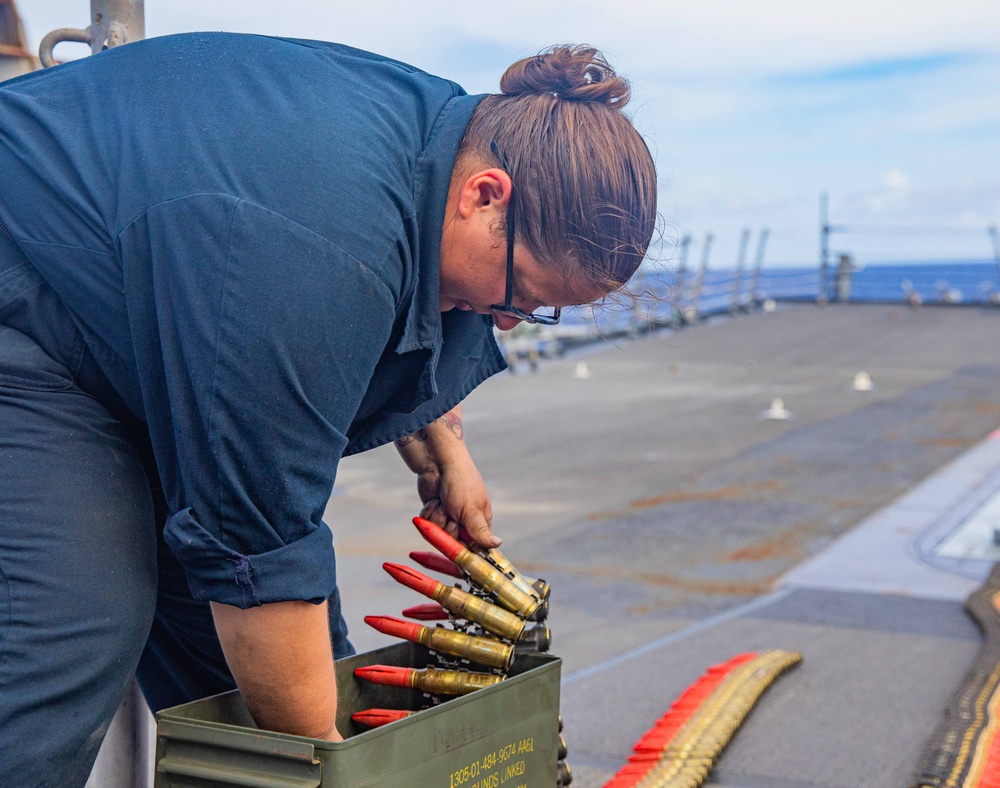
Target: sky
751, 109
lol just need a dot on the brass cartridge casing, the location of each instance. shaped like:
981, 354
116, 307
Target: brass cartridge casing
480, 571
492, 580
482, 651
526, 584
451, 682
477, 610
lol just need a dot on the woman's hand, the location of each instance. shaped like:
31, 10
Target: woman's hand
448, 482
457, 496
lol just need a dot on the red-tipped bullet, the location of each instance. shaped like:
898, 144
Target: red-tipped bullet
411, 578
374, 718
436, 563
437, 536
530, 586
395, 627
483, 651
481, 572
461, 603
386, 674
438, 682
428, 612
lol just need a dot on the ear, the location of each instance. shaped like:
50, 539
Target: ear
485, 190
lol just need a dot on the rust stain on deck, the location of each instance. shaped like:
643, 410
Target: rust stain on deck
784, 545
686, 496
719, 588
944, 443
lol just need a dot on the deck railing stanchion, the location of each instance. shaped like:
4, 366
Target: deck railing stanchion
735, 301
824, 247
758, 263
693, 311
995, 240
680, 285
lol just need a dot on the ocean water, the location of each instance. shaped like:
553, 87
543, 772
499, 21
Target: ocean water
669, 294
970, 281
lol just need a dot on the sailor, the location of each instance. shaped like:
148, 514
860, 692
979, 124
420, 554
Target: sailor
227, 261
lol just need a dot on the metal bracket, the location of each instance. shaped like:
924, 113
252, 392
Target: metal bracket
112, 23
57, 37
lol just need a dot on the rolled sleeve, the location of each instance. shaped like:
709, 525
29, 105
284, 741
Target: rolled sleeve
301, 570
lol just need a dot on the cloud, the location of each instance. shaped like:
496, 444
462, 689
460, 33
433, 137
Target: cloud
711, 36
894, 193
896, 182
907, 67
751, 109
892, 197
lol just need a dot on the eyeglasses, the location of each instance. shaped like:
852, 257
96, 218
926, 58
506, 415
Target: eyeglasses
507, 308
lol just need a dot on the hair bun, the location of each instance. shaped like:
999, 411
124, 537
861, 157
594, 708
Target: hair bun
574, 73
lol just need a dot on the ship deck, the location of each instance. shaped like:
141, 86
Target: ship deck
678, 527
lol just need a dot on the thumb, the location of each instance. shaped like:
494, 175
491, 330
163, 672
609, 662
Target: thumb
480, 530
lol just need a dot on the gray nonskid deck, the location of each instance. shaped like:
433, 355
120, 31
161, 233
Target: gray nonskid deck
848, 716
896, 550
665, 515
885, 640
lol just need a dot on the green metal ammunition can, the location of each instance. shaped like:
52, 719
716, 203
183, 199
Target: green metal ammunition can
504, 735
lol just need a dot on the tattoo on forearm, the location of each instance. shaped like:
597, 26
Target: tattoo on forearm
454, 423
450, 420
419, 435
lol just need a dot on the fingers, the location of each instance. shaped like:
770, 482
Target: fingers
478, 528
433, 510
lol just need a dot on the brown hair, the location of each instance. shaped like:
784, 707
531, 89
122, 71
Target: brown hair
584, 181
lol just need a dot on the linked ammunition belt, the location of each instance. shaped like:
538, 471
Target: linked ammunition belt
964, 751
486, 624
681, 748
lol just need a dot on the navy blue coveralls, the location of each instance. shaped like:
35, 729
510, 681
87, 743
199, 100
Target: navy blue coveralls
218, 275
